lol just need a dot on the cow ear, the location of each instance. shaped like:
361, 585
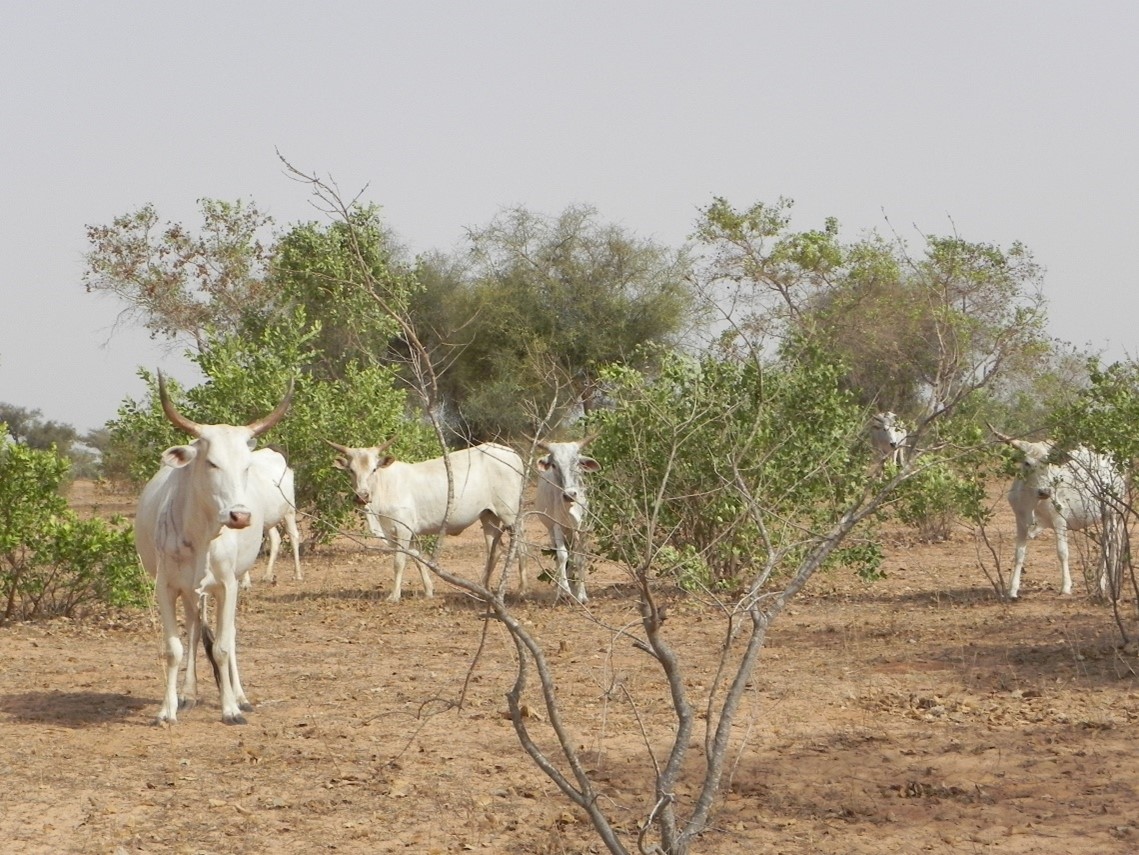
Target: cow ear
543, 463
340, 463
386, 460
178, 456
588, 464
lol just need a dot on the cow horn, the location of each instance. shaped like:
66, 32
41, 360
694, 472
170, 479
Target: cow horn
380, 449
1001, 436
343, 449
582, 443
175, 417
261, 425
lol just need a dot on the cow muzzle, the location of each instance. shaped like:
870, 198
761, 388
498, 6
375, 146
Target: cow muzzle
238, 518
1044, 493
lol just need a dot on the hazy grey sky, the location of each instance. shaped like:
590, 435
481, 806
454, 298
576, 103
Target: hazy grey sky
1003, 121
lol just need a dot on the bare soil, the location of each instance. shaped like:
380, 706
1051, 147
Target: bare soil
917, 714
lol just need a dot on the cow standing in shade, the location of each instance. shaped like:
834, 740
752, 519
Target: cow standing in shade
197, 533
404, 499
888, 436
563, 505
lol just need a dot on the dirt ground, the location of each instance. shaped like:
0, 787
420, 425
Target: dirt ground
916, 714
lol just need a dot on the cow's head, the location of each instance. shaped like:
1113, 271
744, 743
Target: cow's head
564, 466
362, 464
887, 430
219, 458
1036, 463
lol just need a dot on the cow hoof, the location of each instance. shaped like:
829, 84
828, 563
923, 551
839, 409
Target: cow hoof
245, 706
237, 718
393, 598
187, 703
164, 721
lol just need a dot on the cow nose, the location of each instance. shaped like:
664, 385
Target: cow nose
1044, 493
569, 495
238, 519
361, 498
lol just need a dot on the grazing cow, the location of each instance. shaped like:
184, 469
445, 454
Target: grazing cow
404, 499
1082, 492
888, 437
563, 505
197, 532
271, 485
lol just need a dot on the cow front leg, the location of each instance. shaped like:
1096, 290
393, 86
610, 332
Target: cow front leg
195, 608
1062, 554
1017, 565
576, 571
172, 652
561, 561
225, 646
399, 561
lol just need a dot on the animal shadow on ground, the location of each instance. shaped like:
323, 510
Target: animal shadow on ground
74, 709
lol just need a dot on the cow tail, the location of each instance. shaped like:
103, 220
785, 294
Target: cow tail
208, 643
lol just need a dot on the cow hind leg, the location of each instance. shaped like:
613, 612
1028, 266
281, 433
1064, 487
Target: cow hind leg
274, 548
295, 542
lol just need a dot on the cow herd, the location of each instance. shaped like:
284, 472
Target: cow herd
202, 517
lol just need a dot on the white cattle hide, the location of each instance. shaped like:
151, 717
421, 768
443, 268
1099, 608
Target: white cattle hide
1083, 492
562, 503
272, 487
405, 499
888, 437
197, 532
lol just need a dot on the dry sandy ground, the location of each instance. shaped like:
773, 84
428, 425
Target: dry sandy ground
918, 714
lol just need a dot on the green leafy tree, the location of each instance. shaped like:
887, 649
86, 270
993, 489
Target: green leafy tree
52, 562
543, 305
20, 421
317, 306
917, 331
351, 281
694, 449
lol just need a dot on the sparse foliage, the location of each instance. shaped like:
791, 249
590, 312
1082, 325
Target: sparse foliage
182, 285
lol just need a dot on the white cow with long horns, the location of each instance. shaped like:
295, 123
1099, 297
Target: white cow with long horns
197, 532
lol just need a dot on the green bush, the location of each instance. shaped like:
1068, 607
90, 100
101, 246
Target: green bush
52, 562
948, 483
733, 466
